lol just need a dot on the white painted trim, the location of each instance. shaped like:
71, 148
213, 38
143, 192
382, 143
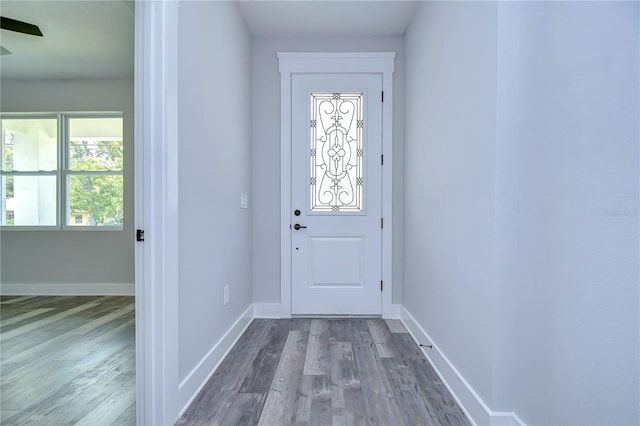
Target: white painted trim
505, 419
395, 311
344, 62
466, 397
335, 55
285, 188
267, 310
142, 32
387, 190
274, 310
67, 289
191, 386
156, 195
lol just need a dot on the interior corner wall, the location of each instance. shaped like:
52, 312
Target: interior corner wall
266, 150
449, 181
521, 203
49, 262
214, 51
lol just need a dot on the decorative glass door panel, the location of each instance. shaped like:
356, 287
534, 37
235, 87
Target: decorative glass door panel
336, 153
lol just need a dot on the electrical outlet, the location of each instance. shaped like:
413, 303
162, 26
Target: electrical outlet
226, 295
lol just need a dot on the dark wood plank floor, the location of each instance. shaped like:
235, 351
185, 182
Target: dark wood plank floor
67, 360
325, 372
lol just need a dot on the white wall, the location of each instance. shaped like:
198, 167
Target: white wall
521, 202
77, 260
449, 180
266, 150
214, 168
567, 319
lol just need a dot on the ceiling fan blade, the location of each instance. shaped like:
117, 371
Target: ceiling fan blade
19, 26
4, 51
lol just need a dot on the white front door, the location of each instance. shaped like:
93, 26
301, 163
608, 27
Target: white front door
336, 194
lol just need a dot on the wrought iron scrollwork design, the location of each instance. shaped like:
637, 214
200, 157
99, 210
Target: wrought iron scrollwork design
336, 152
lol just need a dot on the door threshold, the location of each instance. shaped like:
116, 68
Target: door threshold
335, 316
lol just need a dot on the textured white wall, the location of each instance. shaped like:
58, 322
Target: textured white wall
72, 257
266, 150
214, 169
521, 202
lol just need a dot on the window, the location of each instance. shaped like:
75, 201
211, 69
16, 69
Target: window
62, 166
29, 171
93, 169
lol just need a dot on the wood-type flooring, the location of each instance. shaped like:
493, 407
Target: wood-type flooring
324, 372
67, 360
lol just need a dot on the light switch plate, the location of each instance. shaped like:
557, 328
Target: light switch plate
244, 201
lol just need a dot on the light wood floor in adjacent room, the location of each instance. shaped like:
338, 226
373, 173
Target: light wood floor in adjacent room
67, 360
325, 372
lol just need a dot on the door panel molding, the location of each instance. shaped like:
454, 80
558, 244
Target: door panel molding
292, 63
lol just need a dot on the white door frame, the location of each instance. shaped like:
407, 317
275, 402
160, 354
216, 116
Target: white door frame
360, 62
156, 195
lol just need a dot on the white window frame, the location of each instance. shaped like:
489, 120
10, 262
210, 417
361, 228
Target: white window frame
62, 172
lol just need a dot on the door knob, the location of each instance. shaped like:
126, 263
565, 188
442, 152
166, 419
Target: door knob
297, 226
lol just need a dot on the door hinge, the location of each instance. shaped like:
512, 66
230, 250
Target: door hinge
382, 96
381, 223
382, 159
139, 235
381, 285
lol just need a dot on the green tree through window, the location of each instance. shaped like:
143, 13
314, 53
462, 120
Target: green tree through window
97, 187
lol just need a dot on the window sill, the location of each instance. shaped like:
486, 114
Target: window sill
64, 228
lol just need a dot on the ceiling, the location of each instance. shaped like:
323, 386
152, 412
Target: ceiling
94, 39
327, 18
82, 40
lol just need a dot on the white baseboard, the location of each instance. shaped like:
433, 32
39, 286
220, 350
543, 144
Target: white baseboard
274, 310
267, 310
191, 386
505, 419
67, 289
470, 402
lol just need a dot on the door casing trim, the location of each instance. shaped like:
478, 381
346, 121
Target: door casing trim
156, 192
329, 62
